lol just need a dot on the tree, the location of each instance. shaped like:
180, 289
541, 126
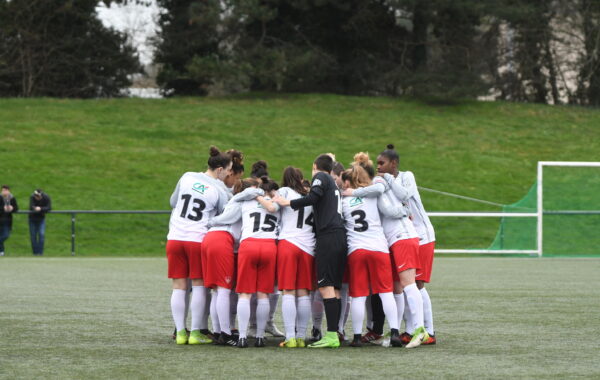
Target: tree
59, 48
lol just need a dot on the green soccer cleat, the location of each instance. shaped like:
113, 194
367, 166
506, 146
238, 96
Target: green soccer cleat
181, 337
418, 337
330, 340
289, 343
300, 343
196, 337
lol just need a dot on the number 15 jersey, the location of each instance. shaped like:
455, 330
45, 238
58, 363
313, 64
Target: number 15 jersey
257, 222
196, 199
363, 225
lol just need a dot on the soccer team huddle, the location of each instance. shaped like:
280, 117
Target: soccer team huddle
352, 242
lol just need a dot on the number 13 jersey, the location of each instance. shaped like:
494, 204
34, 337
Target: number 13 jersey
196, 199
363, 225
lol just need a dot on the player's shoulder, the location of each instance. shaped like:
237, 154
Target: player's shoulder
321, 179
406, 176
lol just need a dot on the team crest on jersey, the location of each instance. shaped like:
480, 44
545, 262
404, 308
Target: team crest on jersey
356, 201
228, 279
199, 187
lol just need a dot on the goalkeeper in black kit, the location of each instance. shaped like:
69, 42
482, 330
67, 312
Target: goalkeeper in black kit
331, 246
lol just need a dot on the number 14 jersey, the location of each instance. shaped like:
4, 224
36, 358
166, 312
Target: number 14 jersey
297, 226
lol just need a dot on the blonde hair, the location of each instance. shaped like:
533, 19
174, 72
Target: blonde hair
362, 159
357, 176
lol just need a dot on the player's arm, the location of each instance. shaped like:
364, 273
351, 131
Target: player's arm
247, 195
175, 196
268, 204
378, 187
390, 208
403, 189
231, 214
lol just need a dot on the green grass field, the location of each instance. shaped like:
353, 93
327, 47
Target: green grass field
110, 318
128, 154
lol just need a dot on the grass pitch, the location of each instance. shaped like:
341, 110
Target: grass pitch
110, 318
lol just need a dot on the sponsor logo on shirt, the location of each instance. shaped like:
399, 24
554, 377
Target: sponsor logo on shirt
199, 187
316, 182
356, 201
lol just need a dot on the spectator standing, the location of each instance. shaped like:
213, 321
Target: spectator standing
39, 204
9, 205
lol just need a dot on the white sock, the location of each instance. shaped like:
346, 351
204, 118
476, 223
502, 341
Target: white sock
273, 300
400, 306
213, 314
389, 309
233, 301
414, 301
188, 293
198, 306
358, 313
262, 315
317, 310
303, 315
344, 301
178, 308
427, 312
408, 320
288, 309
369, 313
347, 313
223, 309
204, 315
243, 316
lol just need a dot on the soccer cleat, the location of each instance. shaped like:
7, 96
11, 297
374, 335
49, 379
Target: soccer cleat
260, 342
242, 343
357, 341
181, 337
315, 334
430, 340
235, 333
300, 343
227, 340
330, 340
405, 337
341, 336
372, 337
215, 338
273, 330
208, 334
196, 337
395, 339
418, 337
289, 343
174, 336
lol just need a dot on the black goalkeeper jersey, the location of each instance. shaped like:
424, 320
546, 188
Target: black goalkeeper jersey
325, 198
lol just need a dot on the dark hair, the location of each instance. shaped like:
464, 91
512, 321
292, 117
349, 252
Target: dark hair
244, 184
324, 162
6, 187
292, 178
390, 153
268, 184
338, 168
218, 159
305, 183
237, 159
259, 169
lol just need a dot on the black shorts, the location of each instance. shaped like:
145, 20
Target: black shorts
331, 252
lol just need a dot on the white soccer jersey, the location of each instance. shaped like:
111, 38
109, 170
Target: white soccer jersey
363, 225
296, 226
196, 199
405, 188
395, 228
257, 222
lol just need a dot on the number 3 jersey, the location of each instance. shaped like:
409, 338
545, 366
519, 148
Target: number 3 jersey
257, 222
297, 226
363, 225
196, 199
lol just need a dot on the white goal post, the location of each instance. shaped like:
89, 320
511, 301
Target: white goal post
539, 214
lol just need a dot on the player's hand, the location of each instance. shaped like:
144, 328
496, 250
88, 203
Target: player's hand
38, 208
283, 202
347, 192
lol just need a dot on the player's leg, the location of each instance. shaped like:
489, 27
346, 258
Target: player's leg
246, 286
287, 268
317, 311
178, 271
267, 267
359, 290
426, 251
381, 282
199, 306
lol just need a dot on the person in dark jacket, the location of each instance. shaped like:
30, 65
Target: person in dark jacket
39, 204
9, 205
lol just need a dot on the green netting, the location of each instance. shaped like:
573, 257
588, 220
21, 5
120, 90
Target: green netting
571, 222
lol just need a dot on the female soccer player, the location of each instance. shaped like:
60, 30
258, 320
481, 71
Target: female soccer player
196, 199
404, 186
368, 256
295, 260
257, 254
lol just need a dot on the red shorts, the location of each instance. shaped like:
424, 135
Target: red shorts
218, 260
257, 262
295, 268
426, 259
369, 273
184, 259
404, 255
